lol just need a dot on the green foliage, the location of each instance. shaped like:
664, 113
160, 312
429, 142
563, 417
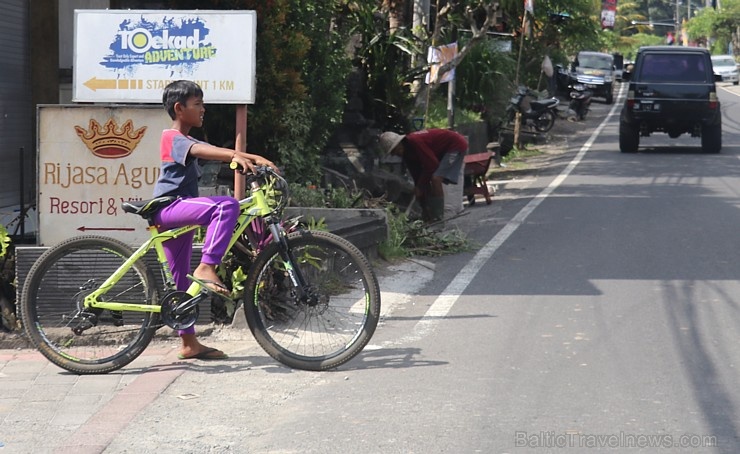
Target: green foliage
408, 238
301, 73
641, 39
308, 195
4, 241
517, 155
8, 318
558, 40
437, 113
485, 81
384, 58
393, 248
317, 224
233, 275
298, 156
579, 32
720, 28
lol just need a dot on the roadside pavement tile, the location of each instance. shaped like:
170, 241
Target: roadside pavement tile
83, 449
8, 355
87, 400
47, 393
70, 419
94, 432
7, 406
24, 367
96, 384
13, 388
39, 413
40, 441
55, 379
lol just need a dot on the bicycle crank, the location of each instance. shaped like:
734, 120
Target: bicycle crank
172, 313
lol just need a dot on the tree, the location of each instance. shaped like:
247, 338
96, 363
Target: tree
719, 28
301, 61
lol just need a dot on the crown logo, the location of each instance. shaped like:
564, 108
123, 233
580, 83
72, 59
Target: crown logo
110, 141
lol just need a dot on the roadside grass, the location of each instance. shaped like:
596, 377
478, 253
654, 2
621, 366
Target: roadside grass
517, 158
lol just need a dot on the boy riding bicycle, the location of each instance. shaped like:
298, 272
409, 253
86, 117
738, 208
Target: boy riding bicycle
179, 173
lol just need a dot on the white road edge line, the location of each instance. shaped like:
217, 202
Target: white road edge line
444, 302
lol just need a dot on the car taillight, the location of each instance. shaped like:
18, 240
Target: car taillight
712, 100
630, 99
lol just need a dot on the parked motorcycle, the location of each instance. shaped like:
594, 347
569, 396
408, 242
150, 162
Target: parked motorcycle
580, 102
539, 113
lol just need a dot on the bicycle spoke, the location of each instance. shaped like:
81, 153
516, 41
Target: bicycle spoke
335, 318
86, 340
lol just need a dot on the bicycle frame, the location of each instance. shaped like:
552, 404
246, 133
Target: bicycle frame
252, 207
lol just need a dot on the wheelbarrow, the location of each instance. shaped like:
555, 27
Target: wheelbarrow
475, 170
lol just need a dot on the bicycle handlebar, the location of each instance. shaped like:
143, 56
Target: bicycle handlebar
261, 175
259, 170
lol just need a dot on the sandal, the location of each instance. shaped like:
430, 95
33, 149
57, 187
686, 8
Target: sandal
208, 286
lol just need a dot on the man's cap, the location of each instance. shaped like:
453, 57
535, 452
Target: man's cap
389, 140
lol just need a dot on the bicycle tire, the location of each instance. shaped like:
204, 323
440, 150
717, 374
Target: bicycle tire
321, 336
51, 303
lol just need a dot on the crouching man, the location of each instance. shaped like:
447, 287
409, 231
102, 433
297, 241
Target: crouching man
433, 157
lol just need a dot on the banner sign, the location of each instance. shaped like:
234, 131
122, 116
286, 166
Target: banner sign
608, 13
130, 55
438, 57
90, 160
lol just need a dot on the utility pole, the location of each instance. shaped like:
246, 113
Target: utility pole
678, 21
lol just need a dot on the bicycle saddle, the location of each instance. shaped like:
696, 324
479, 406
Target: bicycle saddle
147, 208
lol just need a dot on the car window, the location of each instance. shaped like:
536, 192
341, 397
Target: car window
673, 68
594, 61
723, 62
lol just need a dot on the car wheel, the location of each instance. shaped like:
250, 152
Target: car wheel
609, 98
629, 138
711, 138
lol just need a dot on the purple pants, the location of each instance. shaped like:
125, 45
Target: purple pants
219, 213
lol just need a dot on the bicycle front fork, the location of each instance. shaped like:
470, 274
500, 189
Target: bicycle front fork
304, 293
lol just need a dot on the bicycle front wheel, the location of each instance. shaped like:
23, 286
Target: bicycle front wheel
86, 340
333, 321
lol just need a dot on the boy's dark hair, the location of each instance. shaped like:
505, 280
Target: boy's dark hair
179, 91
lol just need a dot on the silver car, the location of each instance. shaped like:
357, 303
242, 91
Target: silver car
725, 66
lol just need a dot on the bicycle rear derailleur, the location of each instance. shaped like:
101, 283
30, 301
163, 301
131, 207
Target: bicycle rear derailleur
87, 318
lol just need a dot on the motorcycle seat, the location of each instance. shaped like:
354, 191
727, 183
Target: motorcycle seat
546, 103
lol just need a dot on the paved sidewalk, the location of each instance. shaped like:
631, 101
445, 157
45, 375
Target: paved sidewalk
44, 408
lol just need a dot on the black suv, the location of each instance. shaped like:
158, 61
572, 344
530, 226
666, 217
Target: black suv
671, 90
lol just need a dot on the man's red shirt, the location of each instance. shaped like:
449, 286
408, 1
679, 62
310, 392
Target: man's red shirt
423, 150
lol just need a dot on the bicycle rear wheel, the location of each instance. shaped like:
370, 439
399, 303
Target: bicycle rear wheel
84, 340
334, 322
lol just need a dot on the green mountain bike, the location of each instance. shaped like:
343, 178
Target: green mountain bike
91, 304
